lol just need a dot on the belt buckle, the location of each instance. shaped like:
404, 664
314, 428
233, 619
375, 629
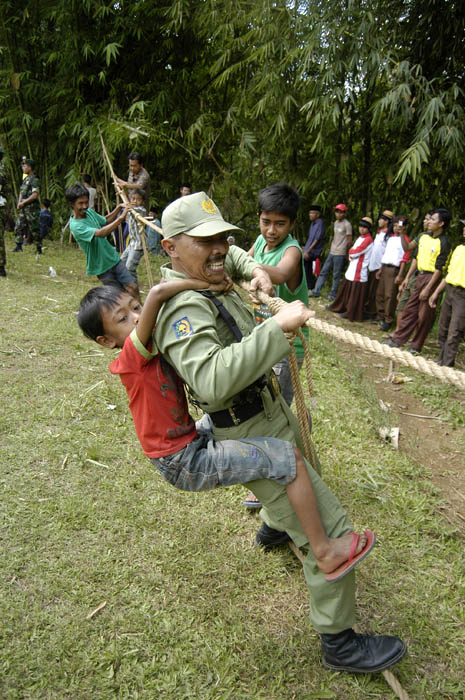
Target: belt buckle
234, 418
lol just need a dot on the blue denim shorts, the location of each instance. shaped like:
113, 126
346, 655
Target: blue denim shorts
117, 273
206, 463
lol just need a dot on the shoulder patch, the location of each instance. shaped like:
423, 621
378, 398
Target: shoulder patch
183, 328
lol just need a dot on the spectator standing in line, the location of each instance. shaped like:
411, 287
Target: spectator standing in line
451, 327
432, 252
27, 228
314, 244
407, 285
379, 246
86, 180
45, 219
138, 177
391, 274
4, 191
350, 300
340, 244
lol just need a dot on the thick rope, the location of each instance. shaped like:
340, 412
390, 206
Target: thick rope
444, 374
448, 375
275, 304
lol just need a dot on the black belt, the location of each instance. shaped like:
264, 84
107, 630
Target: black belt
239, 413
424, 272
390, 265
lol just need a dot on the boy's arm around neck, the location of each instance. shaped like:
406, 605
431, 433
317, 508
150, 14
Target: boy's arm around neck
155, 298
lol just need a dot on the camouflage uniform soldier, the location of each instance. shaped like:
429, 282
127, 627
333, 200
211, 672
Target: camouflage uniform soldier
3, 211
27, 224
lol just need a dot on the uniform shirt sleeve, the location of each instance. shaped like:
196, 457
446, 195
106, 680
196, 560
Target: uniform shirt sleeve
239, 264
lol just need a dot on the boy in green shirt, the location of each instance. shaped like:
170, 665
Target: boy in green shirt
281, 256
90, 231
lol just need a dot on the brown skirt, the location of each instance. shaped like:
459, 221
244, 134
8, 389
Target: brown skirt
350, 300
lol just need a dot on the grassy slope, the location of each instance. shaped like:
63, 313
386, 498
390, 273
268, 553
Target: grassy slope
192, 609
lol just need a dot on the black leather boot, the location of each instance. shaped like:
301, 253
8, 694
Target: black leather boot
268, 538
360, 653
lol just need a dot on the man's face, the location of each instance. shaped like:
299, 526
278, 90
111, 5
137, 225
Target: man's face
26, 168
435, 225
184, 190
339, 214
199, 258
274, 227
135, 167
313, 215
80, 207
426, 222
119, 321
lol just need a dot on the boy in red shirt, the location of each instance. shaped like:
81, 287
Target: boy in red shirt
192, 460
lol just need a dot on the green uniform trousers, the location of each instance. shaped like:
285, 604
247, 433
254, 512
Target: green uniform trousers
332, 605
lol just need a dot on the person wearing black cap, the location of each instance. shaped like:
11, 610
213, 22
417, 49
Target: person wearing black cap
27, 227
314, 244
3, 212
351, 296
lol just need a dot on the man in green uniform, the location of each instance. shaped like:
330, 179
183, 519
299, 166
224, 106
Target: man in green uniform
27, 225
226, 361
3, 211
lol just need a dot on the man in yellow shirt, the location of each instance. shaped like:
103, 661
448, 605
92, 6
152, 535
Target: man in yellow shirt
451, 326
432, 250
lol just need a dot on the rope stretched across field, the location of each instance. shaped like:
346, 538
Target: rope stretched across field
141, 219
448, 375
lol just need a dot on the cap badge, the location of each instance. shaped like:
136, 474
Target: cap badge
208, 206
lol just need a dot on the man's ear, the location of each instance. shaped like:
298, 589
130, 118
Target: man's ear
169, 246
292, 224
106, 341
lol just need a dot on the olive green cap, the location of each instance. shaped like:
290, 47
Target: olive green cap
195, 215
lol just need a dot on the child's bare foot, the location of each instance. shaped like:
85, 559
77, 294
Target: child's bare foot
343, 554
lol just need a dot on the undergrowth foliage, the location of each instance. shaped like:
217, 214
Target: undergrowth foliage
190, 609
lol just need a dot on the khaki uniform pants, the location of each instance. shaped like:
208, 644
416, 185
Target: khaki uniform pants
332, 605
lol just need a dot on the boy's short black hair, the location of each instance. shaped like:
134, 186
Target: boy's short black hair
444, 215
185, 184
75, 191
86, 178
281, 198
141, 193
136, 156
93, 303
46, 202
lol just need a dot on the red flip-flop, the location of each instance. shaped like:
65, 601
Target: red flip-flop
352, 561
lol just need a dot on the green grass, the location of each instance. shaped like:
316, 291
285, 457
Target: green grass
192, 609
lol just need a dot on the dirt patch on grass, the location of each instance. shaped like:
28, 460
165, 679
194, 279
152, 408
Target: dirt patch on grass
430, 440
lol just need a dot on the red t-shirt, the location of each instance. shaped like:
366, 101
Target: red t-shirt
156, 398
